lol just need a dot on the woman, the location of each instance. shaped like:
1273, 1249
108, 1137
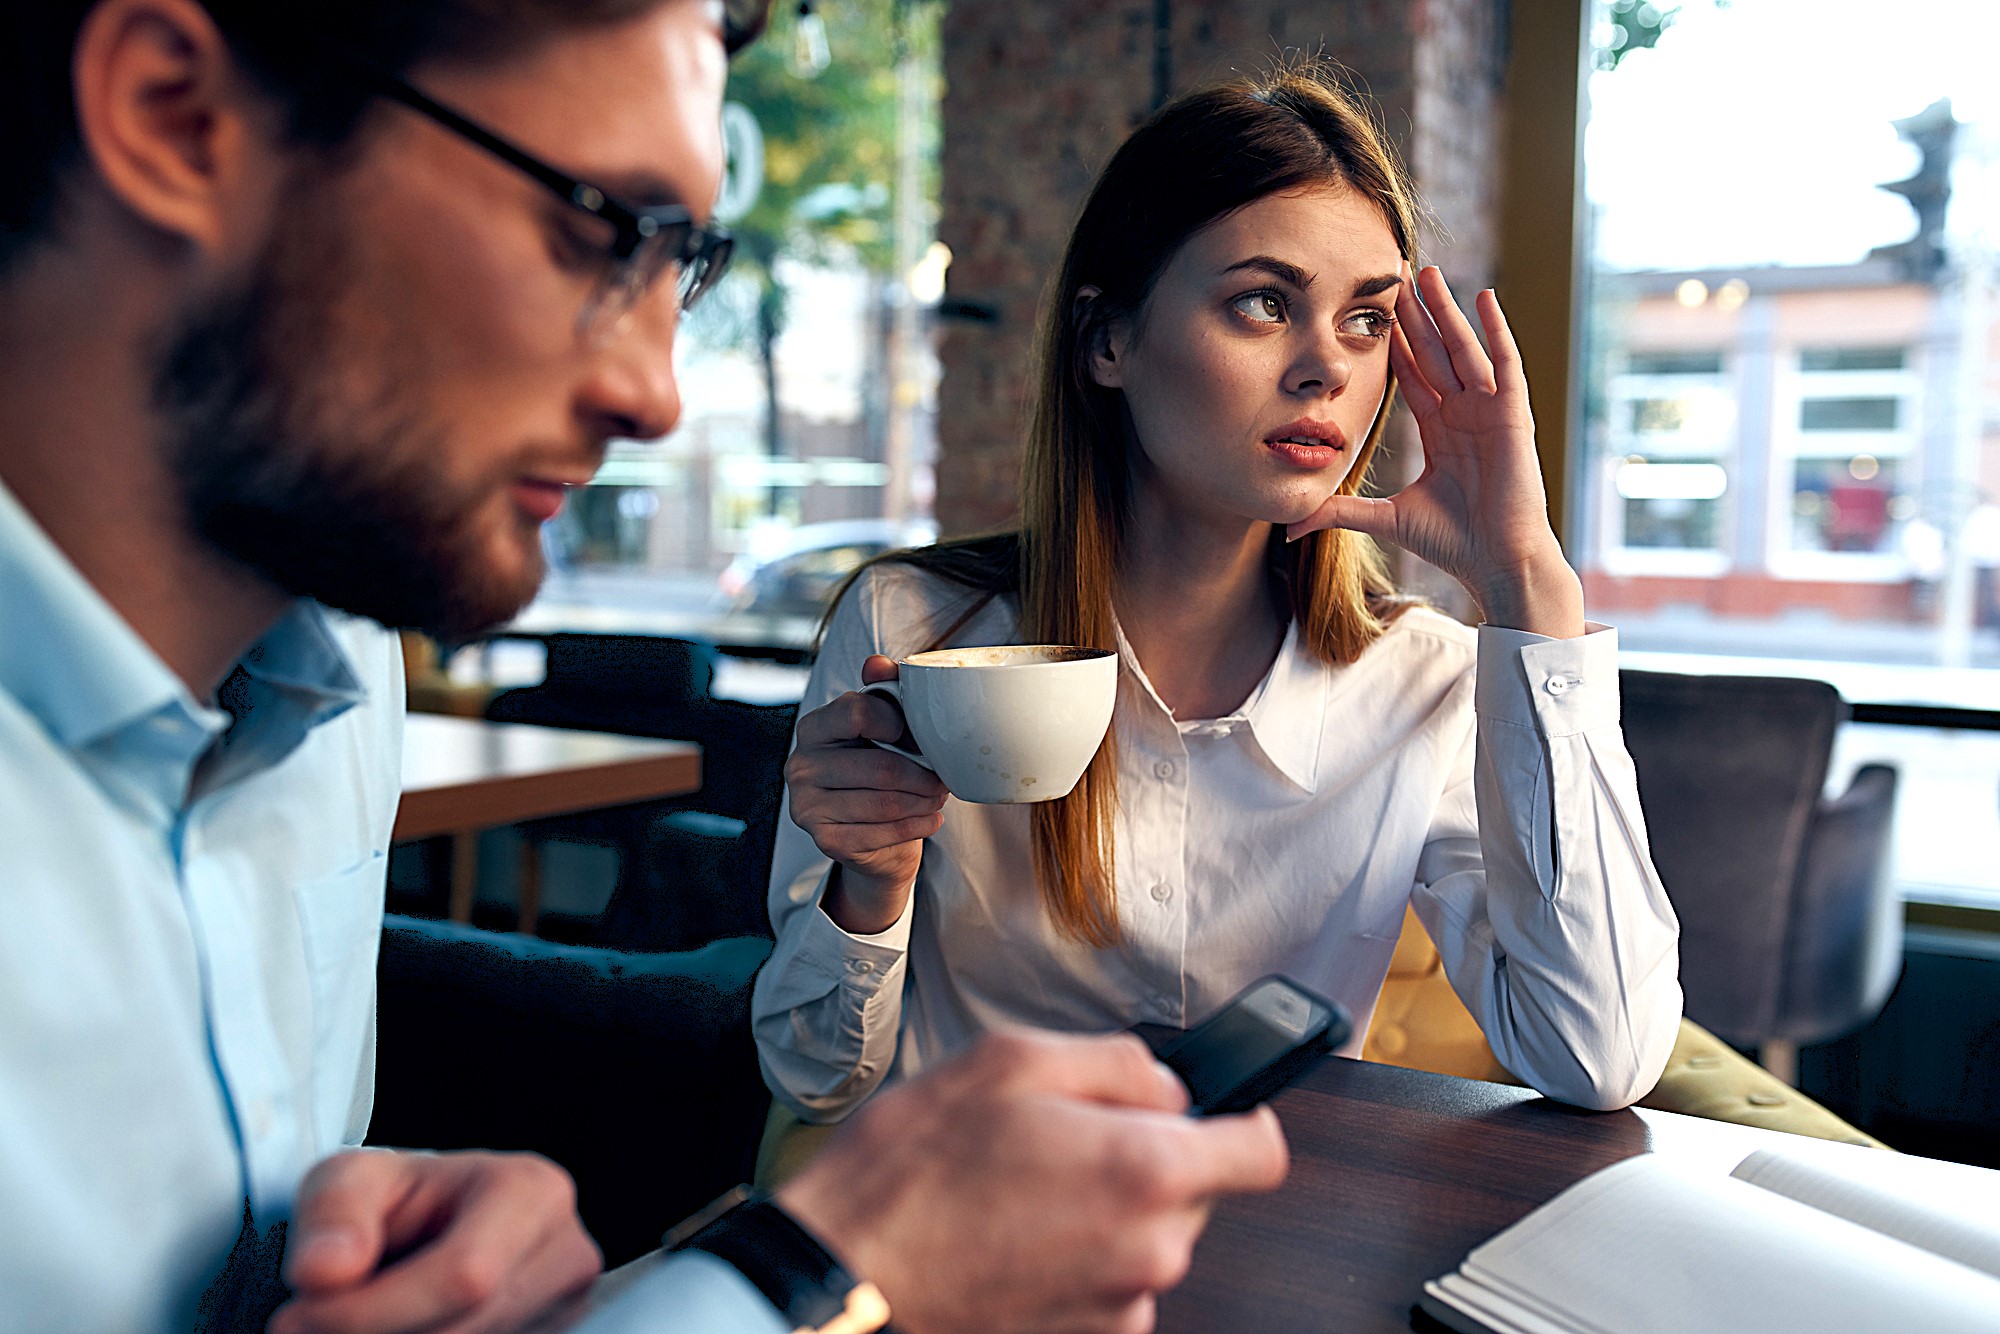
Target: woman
1296, 755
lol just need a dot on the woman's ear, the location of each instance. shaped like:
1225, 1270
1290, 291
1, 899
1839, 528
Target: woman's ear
1101, 341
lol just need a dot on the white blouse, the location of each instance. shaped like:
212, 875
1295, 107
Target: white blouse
1287, 837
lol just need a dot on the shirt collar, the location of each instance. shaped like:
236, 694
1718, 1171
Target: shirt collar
75, 664
1285, 714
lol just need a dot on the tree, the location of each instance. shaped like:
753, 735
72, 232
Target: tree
829, 157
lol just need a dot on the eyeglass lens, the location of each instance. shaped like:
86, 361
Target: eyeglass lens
628, 281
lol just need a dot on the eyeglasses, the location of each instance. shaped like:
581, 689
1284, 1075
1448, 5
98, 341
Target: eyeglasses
646, 240
742, 22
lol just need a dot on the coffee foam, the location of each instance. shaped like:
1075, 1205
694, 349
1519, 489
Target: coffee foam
1005, 655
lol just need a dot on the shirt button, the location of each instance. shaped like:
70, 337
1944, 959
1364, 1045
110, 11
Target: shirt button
1164, 769
1162, 892
860, 965
1558, 685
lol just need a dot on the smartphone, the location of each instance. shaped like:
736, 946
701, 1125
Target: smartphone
1270, 1034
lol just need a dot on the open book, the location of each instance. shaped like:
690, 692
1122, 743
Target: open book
1816, 1239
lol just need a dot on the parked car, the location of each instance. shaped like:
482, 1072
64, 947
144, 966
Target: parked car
799, 571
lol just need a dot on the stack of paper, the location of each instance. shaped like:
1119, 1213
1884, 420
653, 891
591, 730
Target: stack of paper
1818, 1238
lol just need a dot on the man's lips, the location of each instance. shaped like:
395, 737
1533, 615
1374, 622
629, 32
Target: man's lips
539, 497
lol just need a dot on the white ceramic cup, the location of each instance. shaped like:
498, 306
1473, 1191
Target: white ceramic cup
1009, 724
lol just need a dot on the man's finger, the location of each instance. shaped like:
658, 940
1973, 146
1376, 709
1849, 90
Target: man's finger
337, 1233
1232, 1155
1116, 1069
506, 1250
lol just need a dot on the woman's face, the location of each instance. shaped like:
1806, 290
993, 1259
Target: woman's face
1256, 366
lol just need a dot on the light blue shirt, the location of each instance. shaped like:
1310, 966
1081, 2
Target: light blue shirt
190, 909
190, 905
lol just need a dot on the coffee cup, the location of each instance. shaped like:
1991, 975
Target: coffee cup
1007, 724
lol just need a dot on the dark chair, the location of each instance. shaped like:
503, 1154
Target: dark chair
1791, 929
691, 869
700, 872
635, 1072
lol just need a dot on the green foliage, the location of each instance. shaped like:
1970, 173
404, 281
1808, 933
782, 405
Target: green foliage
829, 139
1631, 25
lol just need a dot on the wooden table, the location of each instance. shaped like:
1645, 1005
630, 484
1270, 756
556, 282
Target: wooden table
462, 775
1396, 1174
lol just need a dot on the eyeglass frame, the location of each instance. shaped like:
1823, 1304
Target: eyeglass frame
633, 225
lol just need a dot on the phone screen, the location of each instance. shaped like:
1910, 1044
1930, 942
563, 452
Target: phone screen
1260, 1034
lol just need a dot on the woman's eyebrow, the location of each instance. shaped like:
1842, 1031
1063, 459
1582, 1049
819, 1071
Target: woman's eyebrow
1373, 286
1277, 268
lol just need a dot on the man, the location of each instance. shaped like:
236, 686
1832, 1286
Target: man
292, 347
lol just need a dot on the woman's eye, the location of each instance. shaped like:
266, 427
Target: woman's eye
1263, 307
1368, 324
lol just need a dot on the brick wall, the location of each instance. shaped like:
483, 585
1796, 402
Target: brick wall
1040, 92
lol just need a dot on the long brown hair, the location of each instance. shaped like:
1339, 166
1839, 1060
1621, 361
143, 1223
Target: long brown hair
1197, 159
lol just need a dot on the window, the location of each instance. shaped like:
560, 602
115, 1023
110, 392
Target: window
1789, 454
808, 376
1671, 437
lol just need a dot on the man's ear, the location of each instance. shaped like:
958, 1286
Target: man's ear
164, 117
1102, 340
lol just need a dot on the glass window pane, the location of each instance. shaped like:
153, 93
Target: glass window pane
1848, 414
1852, 358
1790, 451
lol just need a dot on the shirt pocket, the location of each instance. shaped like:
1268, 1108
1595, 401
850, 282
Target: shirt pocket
340, 921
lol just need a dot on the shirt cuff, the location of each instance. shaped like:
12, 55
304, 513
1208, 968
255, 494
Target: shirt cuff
1559, 687
862, 962
691, 1291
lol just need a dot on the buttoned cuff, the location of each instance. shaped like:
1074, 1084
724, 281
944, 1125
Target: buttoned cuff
863, 962
1559, 687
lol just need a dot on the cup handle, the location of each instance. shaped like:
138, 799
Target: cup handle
893, 690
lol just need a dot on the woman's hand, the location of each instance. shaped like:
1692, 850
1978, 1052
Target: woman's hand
867, 808
1479, 511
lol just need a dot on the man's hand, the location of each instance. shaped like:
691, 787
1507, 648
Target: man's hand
387, 1242
1039, 1183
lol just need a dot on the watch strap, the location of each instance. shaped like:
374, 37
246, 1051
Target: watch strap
786, 1263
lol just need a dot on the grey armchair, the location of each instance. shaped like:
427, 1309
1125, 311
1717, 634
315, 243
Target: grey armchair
1791, 929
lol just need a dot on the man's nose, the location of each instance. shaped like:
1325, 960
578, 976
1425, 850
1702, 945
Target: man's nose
633, 392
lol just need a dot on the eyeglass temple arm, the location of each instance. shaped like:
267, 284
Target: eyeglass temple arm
562, 183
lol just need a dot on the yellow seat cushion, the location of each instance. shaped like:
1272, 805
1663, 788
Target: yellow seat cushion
1421, 1024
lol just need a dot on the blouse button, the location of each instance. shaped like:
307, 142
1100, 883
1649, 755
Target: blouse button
1162, 892
861, 966
1558, 685
1164, 769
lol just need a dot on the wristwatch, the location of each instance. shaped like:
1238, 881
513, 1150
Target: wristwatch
786, 1263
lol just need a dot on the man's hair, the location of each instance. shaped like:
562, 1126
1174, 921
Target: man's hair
284, 46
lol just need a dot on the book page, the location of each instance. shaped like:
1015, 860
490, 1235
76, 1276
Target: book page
1946, 1208
1648, 1247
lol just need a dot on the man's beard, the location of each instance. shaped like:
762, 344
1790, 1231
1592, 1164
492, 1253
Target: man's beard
343, 503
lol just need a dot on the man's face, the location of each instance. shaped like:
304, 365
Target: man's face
387, 407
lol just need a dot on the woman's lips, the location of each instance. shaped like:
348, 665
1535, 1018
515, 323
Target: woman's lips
1303, 455
540, 501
